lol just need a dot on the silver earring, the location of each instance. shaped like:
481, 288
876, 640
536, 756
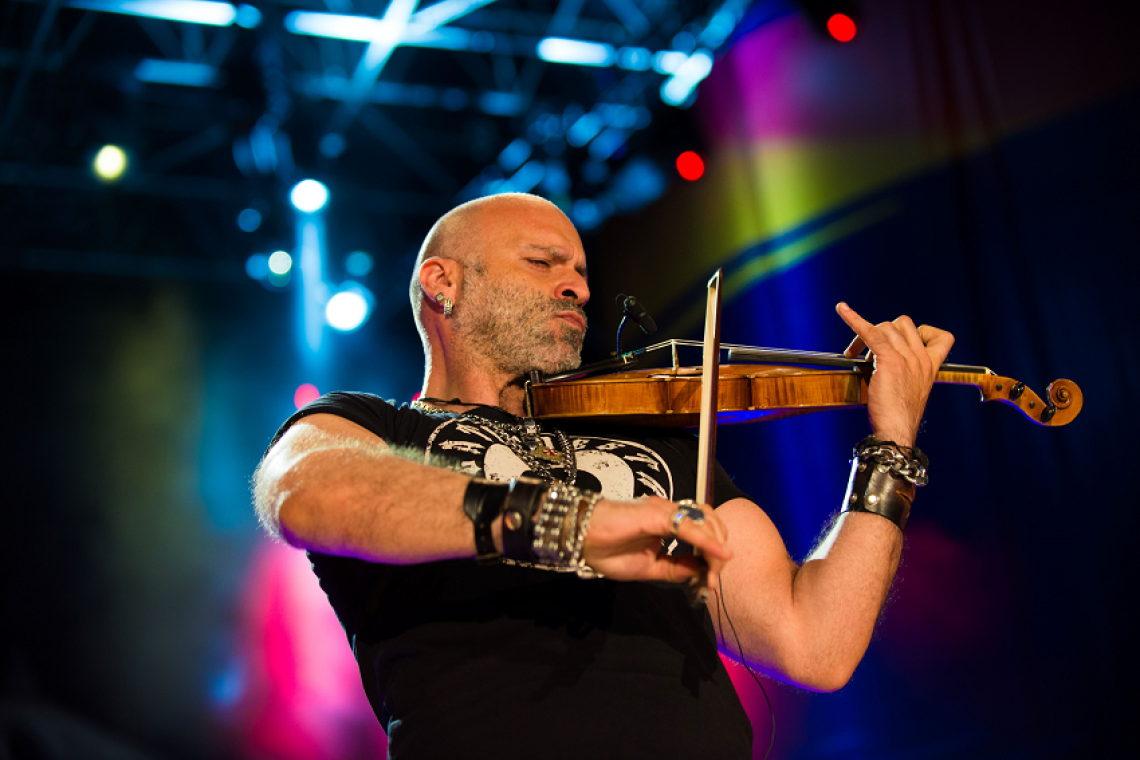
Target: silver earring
448, 304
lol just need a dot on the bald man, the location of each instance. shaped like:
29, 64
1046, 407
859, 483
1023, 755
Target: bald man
590, 648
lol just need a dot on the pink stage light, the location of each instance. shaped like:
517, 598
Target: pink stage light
306, 393
302, 698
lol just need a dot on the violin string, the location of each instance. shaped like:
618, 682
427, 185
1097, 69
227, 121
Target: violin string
774, 355
744, 662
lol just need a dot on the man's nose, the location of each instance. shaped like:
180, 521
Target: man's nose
576, 289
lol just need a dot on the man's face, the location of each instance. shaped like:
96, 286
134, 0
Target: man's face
521, 304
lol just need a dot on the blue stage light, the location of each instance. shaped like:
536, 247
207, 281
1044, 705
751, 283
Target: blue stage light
720, 26
577, 52
618, 115
556, 181
257, 266
309, 196
584, 130
331, 145
595, 172
608, 143
333, 25
280, 263
635, 58
677, 88
585, 214
684, 41
183, 73
249, 220
358, 263
637, 184
515, 154
247, 17
365, 29
189, 11
349, 309
501, 103
523, 181
668, 61
422, 27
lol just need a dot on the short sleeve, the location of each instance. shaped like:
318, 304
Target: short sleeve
370, 412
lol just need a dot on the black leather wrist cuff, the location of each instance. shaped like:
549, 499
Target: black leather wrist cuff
873, 488
523, 500
482, 502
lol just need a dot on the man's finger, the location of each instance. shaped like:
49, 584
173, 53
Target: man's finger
937, 343
703, 536
676, 569
855, 349
905, 325
867, 332
852, 318
703, 539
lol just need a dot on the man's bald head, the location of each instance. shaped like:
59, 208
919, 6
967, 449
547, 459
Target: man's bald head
463, 233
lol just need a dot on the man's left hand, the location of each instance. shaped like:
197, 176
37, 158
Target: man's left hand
907, 359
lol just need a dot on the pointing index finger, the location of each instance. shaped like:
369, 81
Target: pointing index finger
861, 326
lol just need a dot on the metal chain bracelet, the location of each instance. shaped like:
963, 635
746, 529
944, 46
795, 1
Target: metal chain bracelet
906, 462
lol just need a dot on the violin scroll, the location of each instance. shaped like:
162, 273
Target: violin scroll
1062, 404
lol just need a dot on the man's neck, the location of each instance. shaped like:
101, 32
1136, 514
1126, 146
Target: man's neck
473, 382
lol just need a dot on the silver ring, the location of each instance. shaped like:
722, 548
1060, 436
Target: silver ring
687, 509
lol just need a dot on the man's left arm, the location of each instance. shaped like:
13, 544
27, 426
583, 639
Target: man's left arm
810, 625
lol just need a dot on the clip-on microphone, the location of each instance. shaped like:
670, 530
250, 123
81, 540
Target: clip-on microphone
631, 308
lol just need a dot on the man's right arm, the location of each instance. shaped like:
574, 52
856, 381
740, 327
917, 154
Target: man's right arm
331, 486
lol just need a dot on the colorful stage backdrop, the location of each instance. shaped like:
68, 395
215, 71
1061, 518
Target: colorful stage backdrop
972, 164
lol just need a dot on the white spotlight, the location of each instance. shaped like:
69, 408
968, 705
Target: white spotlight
110, 163
348, 309
280, 263
309, 196
580, 52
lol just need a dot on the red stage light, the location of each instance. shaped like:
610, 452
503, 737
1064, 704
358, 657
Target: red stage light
305, 393
690, 166
841, 27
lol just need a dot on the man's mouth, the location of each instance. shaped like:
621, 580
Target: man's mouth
573, 318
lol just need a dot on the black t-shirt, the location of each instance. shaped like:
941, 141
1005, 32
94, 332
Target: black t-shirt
513, 662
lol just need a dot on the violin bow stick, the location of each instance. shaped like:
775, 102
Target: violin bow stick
706, 450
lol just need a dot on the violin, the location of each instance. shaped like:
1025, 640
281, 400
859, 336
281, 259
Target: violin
752, 392
763, 384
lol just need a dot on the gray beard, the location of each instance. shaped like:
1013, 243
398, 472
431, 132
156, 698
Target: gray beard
510, 325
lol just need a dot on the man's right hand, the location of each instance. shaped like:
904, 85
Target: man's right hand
624, 542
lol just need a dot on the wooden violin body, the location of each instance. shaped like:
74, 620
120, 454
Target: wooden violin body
670, 397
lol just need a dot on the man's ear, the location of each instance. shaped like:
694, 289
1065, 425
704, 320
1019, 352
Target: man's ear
438, 275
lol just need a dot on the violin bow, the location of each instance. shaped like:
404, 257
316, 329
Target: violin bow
706, 449
710, 376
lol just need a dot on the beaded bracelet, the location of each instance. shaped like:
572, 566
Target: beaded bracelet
545, 526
